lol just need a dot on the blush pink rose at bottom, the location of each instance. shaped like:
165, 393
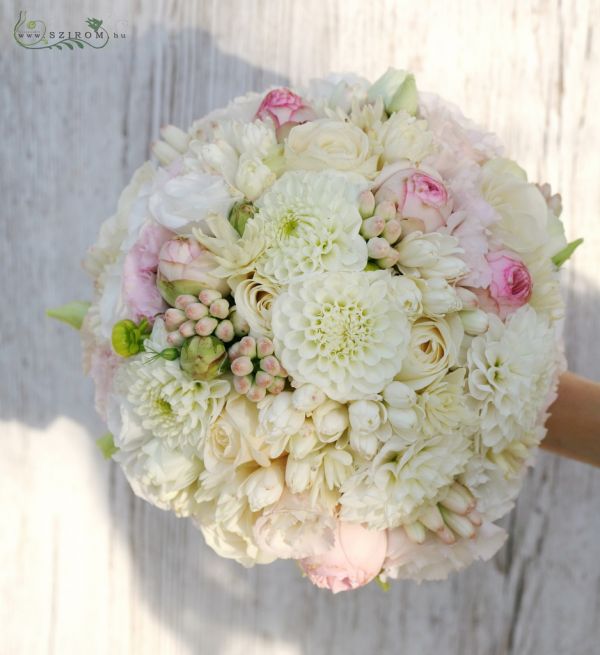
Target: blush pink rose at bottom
140, 292
354, 560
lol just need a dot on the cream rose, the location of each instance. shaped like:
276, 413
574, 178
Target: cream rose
434, 348
253, 300
326, 144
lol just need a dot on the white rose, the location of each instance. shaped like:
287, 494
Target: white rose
253, 299
265, 486
330, 419
253, 177
434, 348
232, 439
329, 144
294, 528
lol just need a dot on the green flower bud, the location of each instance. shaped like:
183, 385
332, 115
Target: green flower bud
171, 289
203, 358
128, 338
240, 214
398, 90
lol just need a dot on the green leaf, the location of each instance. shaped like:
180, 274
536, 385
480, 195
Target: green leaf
72, 313
106, 445
561, 257
68, 45
385, 586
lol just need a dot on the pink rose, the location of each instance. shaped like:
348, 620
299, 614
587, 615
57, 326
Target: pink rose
139, 273
283, 106
419, 196
356, 558
511, 282
186, 267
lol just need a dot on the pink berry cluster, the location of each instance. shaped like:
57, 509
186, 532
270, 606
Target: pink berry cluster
203, 315
381, 229
256, 370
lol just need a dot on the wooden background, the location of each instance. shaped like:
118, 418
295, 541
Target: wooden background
88, 568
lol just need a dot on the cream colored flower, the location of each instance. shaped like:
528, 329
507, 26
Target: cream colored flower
253, 300
521, 206
512, 369
293, 528
346, 333
279, 420
444, 405
386, 492
234, 438
325, 144
434, 560
168, 403
165, 477
404, 137
309, 222
434, 348
431, 255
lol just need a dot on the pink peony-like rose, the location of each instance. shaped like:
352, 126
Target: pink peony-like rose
356, 558
283, 106
185, 266
511, 284
139, 273
419, 196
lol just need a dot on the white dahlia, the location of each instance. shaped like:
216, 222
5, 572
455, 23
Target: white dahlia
169, 404
346, 333
384, 493
310, 223
512, 369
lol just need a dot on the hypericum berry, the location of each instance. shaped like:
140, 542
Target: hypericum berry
225, 331
219, 308
242, 366
366, 203
372, 227
188, 329
255, 368
206, 326
174, 318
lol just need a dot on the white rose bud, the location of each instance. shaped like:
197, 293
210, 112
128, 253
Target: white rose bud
398, 90
399, 395
331, 419
307, 398
474, 321
264, 487
365, 415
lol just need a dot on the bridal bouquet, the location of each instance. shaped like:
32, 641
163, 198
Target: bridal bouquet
325, 329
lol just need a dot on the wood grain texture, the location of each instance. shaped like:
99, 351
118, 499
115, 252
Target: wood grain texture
88, 568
